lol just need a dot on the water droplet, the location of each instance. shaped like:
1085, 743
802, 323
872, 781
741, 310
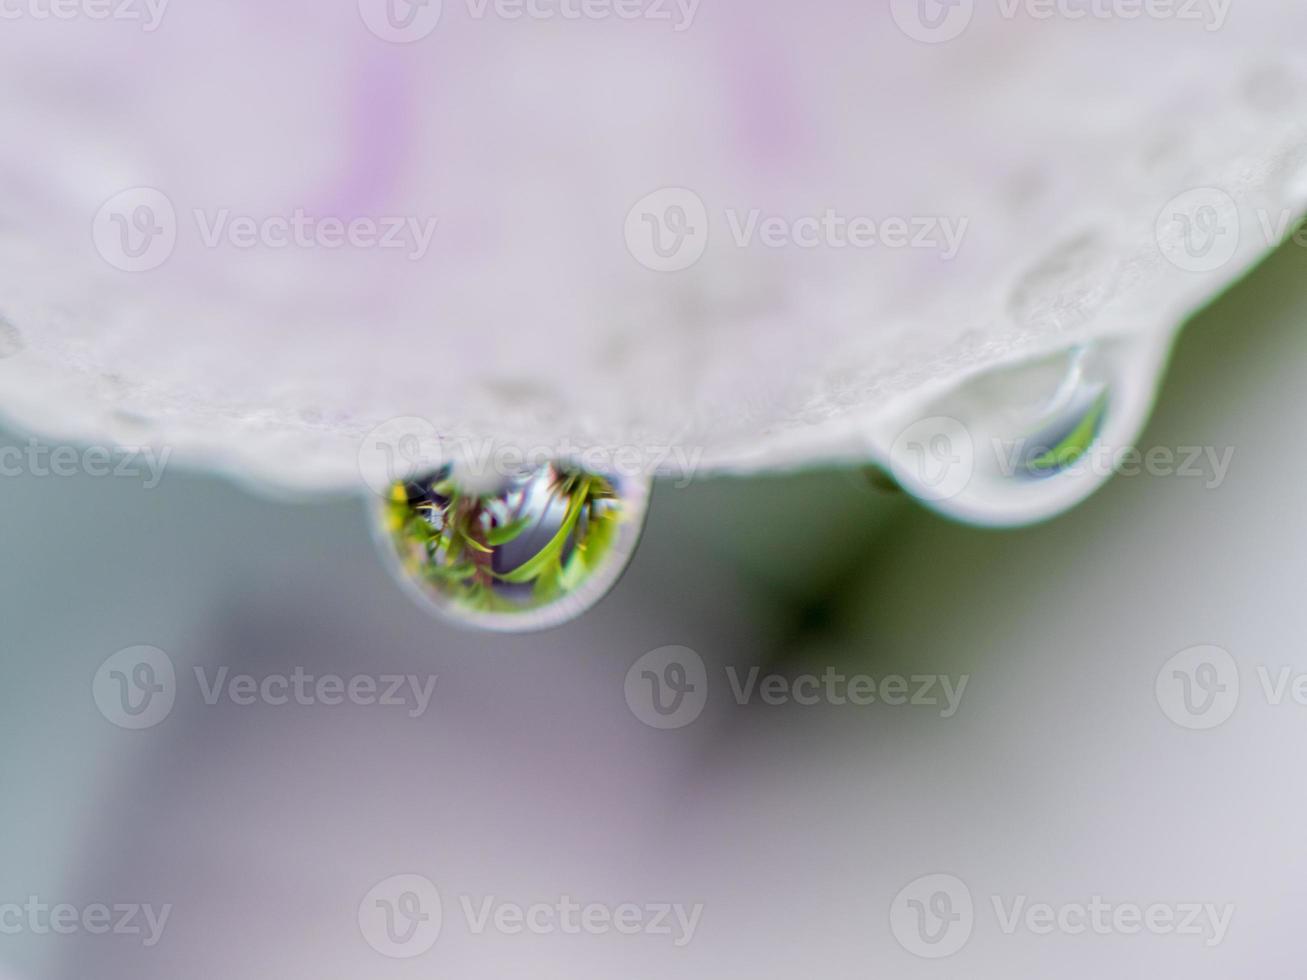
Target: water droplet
1067, 287
1025, 442
1270, 88
514, 553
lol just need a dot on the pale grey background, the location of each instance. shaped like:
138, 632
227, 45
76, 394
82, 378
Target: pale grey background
1059, 779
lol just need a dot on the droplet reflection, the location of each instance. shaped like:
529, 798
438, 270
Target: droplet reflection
1025, 442
526, 552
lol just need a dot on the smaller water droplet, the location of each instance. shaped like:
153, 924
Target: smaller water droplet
1025, 442
514, 553
1067, 287
129, 423
1269, 88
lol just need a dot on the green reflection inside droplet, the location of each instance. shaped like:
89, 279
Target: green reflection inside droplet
1073, 445
538, 549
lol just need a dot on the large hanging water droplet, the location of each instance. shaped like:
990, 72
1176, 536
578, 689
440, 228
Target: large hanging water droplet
1025, 442
515, 553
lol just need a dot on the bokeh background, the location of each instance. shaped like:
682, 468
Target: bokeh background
1060, 778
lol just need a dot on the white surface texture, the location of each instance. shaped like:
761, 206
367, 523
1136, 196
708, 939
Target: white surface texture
1062, 143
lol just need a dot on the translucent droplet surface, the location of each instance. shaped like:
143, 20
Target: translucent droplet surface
514, 553
1025, 442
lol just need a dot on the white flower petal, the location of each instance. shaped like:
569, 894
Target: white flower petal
1054, 148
